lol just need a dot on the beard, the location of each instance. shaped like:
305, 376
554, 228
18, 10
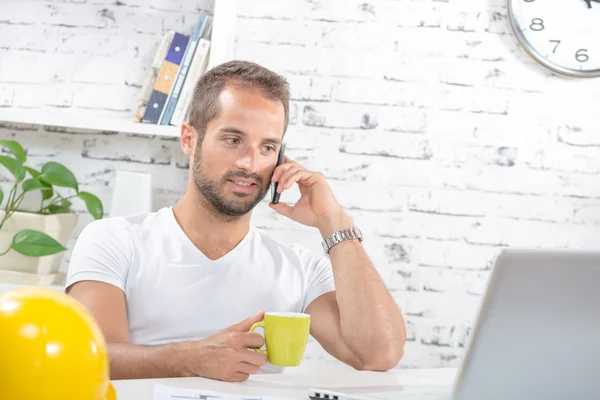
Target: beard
213, 190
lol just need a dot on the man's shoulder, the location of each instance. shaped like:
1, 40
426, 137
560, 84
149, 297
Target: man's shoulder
123, 225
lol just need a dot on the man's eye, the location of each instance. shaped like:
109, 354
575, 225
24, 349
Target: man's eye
232, 140
269, 149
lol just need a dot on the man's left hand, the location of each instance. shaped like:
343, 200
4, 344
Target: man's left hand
317, 206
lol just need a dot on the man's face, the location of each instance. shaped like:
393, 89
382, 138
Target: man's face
233, 164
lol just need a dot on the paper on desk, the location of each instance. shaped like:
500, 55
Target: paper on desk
162, 392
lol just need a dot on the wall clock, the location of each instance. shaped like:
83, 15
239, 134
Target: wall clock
562, 35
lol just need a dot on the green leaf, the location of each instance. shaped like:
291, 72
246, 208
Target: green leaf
61, 207
47, 193
33, 184
16, 149
35, 244
1, 195
57, 174
58, 209
33, 172
14, 166
93, 204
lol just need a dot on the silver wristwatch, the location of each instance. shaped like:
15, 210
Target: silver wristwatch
340, 236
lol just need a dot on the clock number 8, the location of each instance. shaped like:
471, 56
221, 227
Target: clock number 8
537, 24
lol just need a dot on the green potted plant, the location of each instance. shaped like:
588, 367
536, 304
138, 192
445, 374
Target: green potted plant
32, 242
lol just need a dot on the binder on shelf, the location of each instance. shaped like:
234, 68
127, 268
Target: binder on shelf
198, 67
146, 91
165, 80
169, 108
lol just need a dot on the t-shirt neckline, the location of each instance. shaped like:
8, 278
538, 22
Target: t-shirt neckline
223, 261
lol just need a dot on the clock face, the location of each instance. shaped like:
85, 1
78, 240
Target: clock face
563, 35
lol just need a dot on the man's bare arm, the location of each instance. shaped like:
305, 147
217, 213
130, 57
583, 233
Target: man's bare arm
222, 356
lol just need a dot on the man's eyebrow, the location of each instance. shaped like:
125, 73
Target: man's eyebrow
231, 129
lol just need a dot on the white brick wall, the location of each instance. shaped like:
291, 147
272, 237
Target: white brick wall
438, 134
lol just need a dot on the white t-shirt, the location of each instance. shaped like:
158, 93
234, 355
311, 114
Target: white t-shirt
175, 293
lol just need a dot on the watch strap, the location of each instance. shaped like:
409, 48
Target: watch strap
340, 236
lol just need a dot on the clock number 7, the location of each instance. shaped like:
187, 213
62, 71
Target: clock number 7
555, 47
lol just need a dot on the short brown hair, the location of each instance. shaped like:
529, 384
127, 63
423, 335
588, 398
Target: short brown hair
204, 106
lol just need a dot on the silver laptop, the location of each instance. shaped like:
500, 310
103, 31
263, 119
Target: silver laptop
536, 337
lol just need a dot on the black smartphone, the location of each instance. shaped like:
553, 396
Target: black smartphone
275, 194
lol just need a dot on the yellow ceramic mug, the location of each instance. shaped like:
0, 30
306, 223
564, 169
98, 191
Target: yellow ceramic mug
286, 335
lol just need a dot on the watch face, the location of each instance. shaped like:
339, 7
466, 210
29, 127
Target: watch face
562, 35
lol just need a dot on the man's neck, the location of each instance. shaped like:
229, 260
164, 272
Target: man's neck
212, 233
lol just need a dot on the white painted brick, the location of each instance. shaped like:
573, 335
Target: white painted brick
365, 196
532, 234
107, 44
425, 226
24, 67
563, 158
468, 99
467, 154
344, 116
588, 213
37, 96
399, 119
308, 88
421, 14
106, 97
427, 306
465, 20
344, 62
400, 280
132, 150
105, 70
7, 94
401, 66
308, 138
498, 21
273, 9
380, 143
578, 137
352, 11
287, 32
359, 37
448, 202
293, 114
512, 131
282, 59
32, 38
365, 91
456, 255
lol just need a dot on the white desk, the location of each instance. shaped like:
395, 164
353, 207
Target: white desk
293, 382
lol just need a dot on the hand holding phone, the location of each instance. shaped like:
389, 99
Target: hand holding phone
280, 160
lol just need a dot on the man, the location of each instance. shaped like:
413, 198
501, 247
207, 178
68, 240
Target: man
168, 289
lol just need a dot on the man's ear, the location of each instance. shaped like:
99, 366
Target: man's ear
188, 139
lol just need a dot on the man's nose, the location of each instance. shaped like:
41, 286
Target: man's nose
247, 161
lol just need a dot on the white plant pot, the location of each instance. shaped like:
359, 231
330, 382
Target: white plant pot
17, 268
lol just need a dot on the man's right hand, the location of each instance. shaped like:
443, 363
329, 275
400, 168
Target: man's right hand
227, 355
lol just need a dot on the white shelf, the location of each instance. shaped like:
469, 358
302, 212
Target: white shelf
110, 124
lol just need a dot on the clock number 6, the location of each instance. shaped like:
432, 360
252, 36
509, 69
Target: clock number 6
581, 55
537, 24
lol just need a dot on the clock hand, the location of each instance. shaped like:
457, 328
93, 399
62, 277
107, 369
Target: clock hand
589, 2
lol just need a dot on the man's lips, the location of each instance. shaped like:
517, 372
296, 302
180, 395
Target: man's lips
242, 185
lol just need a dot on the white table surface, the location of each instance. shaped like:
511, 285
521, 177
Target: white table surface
293, 382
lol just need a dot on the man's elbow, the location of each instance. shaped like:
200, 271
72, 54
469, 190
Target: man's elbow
383, 360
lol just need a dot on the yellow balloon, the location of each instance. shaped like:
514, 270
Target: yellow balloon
51, 348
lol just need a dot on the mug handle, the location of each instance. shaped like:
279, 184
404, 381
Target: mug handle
258, 324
